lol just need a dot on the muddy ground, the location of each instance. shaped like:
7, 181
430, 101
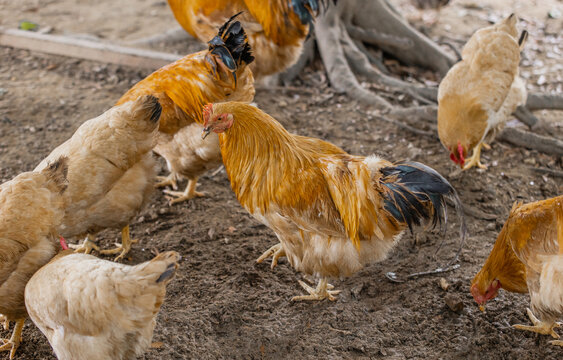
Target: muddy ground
222, 304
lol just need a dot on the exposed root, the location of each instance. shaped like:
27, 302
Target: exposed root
549, 172
526, 139
329, 33
379, 39
175, 34
408, 127
428, 114
375, 61
523, 114
473, 211
538, 101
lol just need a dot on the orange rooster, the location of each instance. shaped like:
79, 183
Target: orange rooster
479, 93
528, 257
276, 29
183, 88
332, 212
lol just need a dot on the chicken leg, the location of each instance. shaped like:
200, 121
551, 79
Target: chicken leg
275, 252
539, 327
87, 245
475, 159
14, 342
125, 245
321, 292
187, 194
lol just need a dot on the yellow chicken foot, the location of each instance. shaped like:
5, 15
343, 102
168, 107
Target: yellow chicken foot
124, 247
170, 180
486, 146
475, 159
539, 327
556, 342
86, 247
275, 252
187, 194
14, 342
321, 292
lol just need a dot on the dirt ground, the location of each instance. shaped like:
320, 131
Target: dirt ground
222, 304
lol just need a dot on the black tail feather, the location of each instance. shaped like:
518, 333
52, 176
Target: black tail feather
231, 44
412, 188
523, 38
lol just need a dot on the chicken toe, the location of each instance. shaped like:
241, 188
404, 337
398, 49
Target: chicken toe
321, 292
187, 194
122, 248
556, 342
86, 247
13, 343
475, 159
170, 180
275, 252
539, 326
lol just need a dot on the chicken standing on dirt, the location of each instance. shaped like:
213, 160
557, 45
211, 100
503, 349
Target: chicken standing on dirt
91, 308
276, 29
183, 88
31, 209
332, 212
479, 93
528, 257
111, 171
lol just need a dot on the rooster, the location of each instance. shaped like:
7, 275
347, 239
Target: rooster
332, 212
528, 257
276, 29
183, 88
479, 93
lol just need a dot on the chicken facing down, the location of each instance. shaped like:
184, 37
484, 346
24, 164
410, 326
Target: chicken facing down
111, 171
183, 88
479, 93
276, 29
31, 208
528, 257
332, 212
89, 308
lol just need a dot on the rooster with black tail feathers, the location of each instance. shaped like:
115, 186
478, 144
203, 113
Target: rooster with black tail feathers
276, 29
220, 73
332, 212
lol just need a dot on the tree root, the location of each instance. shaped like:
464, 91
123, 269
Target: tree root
523, 114
538, 101
374, 38
549, 172
175, 34
412, 129
473, 211
529, 140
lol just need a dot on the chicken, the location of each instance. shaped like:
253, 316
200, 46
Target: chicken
332, 212
183, 88
89, 308
276, 29
479, 93
528, 257
111, 171
31, 208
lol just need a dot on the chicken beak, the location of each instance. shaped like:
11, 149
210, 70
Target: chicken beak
205, 132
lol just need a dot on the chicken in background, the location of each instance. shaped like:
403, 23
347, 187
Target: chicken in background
276, 29
111, 171
31, 209
479, 93
528, 257
89, 308
332, 212
183, 88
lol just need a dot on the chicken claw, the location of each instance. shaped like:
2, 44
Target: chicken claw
5, 322
475, 159
86, 247
275, 252
187, 194
539, 327
13, 343
124, 247
321, 292
556, 342
170, 180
